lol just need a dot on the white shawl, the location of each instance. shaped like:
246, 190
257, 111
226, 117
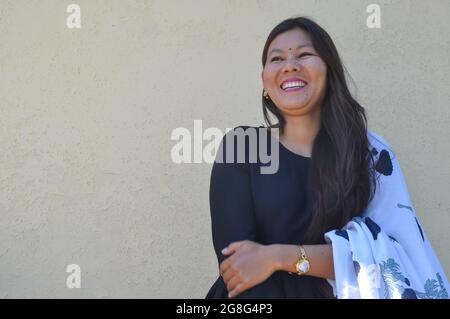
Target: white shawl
385, 252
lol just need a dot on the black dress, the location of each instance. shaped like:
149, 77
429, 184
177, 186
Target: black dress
265, 208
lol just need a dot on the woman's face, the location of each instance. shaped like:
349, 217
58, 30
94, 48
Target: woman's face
294, 75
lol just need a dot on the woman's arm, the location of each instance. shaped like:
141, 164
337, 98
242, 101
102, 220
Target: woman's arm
233, 219
230, 197
249, 263
284, 257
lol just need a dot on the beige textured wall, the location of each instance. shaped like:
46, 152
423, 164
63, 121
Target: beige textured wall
86, 116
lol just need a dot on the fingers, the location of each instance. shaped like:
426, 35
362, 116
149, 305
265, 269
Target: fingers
232, 247
232, 283
230, 273
225, 265
235, 284
238, 289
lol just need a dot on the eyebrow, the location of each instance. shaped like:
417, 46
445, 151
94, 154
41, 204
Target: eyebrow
297, 48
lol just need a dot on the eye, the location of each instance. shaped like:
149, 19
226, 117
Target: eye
276, 58
305, 54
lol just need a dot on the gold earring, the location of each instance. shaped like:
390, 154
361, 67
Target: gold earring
266, 95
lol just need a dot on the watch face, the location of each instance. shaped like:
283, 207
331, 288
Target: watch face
303, 266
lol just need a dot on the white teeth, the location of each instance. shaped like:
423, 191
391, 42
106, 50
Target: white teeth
287, 85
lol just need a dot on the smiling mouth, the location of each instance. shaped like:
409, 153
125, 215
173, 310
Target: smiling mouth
293, 86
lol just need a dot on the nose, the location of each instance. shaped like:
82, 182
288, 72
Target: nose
291, 65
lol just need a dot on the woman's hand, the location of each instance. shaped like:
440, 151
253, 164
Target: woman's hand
249, 264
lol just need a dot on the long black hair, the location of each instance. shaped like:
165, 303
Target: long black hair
343, 177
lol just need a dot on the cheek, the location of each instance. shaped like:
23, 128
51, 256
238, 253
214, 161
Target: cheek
317, 67
269, 76
318, 70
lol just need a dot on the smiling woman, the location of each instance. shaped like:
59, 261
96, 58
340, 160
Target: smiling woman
318, 227
294, 91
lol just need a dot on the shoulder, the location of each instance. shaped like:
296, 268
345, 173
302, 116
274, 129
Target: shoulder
241, 143
234, 144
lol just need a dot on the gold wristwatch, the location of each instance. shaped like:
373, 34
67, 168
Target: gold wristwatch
302, 265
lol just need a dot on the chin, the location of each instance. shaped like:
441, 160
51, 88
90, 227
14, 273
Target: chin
296, 109
294, 106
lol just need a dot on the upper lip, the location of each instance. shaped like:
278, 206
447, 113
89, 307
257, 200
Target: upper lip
292, 79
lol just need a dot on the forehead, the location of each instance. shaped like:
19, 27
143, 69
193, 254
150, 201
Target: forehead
289, 39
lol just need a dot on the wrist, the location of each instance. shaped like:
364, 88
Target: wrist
284, 257
273, 257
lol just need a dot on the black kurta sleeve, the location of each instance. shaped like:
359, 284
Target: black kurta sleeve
231, 202
233, 217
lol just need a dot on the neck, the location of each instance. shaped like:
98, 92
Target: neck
300, 131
